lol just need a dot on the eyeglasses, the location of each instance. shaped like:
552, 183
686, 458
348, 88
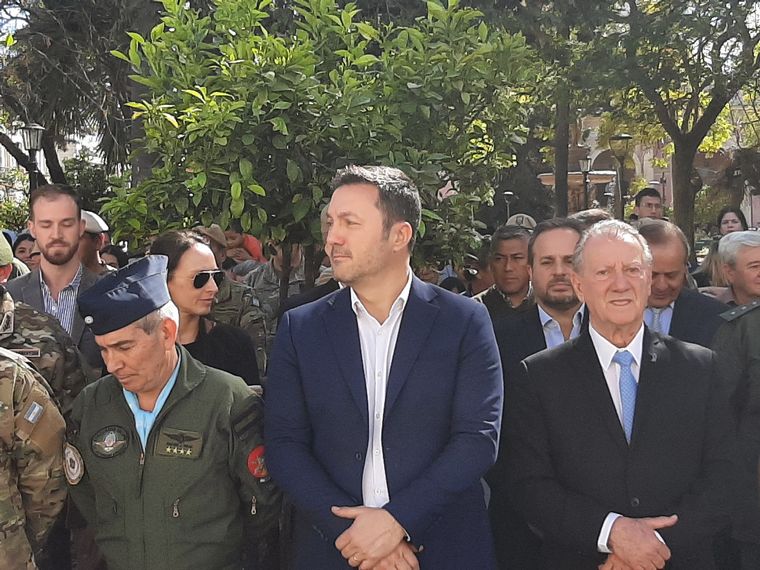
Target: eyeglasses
202, 277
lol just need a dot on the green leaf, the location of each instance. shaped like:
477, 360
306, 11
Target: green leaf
237, 207
279, 125
261, 213
482, 32
135, 223
136, 37
120, 55
282, 105
367, 31
202, 179
294, 172
256, 189
172, 119
366, 60
421, 229
134, 55
247, 139
300, 209
246, 168
236, 190
221, 141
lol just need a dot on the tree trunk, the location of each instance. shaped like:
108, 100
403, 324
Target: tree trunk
287, 250
683, 189
311, 265
561, 151
57, 175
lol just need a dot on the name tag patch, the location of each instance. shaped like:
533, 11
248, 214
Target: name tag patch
179, 443
28, 352
109, 442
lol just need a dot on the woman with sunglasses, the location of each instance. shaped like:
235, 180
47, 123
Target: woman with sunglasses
193, 279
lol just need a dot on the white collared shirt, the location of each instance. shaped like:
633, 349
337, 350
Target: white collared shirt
378, 343
666, 317
605, 352
552, 331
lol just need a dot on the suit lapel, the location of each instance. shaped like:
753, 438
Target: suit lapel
534, 332
33, 294
586, 363
416, 324
681, 309
343, 332
654, 361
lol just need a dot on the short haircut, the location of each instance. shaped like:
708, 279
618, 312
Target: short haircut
51, 192
174, 243
149, 323
611, 229
504, 233
398, 198
21, 239
121, 256
661, 232
650, 192
730, 244
549, 225
733, 210
589, 217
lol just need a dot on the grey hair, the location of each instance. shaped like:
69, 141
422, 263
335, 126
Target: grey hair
149, 323
730, 244
615, 230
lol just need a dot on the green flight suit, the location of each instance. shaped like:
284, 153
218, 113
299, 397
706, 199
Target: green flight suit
191, 498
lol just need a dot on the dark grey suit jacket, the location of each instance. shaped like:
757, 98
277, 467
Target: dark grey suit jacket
26, 288
696, 317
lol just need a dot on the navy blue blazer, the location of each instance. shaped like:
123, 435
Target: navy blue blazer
696, 317
440, 431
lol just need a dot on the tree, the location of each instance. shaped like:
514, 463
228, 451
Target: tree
687, 60
252, 125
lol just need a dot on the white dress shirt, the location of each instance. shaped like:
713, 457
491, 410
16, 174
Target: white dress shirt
378, 343
666, 317
553, 332
605, 352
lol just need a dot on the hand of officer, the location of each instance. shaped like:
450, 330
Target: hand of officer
634, 541
402, 558
373, 535
614, 563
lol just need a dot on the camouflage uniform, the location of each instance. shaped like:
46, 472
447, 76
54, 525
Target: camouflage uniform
32, 491
266, 289
40, 338
236, 305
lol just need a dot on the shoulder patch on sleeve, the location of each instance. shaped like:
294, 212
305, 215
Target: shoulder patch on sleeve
736, 312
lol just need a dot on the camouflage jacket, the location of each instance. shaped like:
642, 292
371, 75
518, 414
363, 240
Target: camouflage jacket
32, 488
235, 305
40, 338
266, 289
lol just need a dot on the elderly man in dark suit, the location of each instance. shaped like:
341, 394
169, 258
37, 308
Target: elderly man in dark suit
57, 225
384, 399
672, 308
622, 448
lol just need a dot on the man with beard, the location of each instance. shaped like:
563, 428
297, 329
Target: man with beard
557, 316
56, 223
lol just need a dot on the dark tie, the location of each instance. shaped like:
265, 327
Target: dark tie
628, 387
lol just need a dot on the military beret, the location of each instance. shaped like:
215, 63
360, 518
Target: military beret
125, 296
93, 223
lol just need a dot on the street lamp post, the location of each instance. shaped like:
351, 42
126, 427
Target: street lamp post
507, 199
585, 164
620, 146
31, 135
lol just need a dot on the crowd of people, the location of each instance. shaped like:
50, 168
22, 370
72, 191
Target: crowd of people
576, 396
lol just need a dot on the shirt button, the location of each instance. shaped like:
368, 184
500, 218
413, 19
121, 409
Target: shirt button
377, 416
378, 492
358, 456
635, 502
377, 452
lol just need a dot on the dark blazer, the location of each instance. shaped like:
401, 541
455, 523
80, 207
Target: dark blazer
696, 317
570, 464
27, 289
441, 423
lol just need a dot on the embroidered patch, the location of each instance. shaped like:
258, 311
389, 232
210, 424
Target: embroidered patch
256, 464
73, 466
109, 442
34, 413
179, 443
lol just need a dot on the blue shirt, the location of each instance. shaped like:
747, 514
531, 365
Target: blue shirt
666, 317
65, 306
144, 420
552, 331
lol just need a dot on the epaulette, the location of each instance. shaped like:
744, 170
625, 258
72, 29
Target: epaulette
736, 312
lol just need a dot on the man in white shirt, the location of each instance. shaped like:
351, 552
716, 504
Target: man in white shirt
384, 399
622, 447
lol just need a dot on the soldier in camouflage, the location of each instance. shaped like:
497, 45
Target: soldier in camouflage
32, 488
235, 304
40, 338
265, 282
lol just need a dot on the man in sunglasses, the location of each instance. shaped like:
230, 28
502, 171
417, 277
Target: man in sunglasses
165, 456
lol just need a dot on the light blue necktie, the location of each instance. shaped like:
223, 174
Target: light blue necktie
628, 387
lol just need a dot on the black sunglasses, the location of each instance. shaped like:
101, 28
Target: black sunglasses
202, 277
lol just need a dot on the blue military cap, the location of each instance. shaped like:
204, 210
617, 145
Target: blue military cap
121, 298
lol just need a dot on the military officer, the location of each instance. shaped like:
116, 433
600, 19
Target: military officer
32, 490
737, 344
165, 456
40, 338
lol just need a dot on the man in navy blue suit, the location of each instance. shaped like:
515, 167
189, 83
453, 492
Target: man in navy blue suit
384, 399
